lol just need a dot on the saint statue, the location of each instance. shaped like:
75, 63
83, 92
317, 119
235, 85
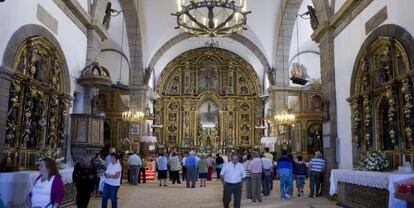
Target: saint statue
312, 16
108, 14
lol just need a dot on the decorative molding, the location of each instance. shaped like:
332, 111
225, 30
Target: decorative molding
81, 18
376, 20
47, 19
348, 12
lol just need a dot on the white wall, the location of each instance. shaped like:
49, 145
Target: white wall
85, 4
117, 36
14, 14
302, 32
347, 45
339, 4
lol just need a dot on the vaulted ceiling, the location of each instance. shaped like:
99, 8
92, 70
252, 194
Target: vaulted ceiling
162, 43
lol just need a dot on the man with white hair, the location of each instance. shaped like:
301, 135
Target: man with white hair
108, 158
191, 166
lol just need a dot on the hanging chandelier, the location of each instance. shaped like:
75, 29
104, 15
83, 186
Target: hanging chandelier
133, 115
213, 18
285, 118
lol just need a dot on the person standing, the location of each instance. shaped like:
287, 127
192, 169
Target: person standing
100, 167
162, 168
48, 188
210, 161
108, 158
174, 163
247, 179
231, 176
267, 154
202, 166
141, 172
301, 171
112, 179
284, 170
191, 166
134, 162
267, 175
184, 169
219, 165
84, 176
317, 166
256, 169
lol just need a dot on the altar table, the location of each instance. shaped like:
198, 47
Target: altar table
16, 186
377, 180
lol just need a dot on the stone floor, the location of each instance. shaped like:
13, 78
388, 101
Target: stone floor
150, 195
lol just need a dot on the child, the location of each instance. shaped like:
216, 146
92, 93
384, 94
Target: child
300, 170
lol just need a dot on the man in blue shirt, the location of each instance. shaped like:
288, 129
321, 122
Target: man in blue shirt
191, 166
284, 170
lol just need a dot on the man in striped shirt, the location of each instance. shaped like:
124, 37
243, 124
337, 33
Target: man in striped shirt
317, 167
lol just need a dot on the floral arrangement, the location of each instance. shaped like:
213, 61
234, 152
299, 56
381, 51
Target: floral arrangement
374, 161
52, 153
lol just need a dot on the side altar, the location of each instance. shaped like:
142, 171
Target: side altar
358, 188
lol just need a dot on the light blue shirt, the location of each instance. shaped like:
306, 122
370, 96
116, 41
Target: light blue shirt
191, 161
162, 163
233, 173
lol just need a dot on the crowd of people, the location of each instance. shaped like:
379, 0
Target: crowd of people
255, 171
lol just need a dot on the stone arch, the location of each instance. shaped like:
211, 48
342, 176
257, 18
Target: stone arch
281, 58
26, 32
183, 36
136, 75
388, 30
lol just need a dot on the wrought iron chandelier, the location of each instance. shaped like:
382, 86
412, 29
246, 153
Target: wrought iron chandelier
285, 118
133, 116
213, 18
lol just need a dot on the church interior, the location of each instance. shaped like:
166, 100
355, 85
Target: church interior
214, 77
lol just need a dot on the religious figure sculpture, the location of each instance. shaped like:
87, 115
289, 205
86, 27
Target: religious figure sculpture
109, 12
147, 75
271, 74
230, 79
312, 16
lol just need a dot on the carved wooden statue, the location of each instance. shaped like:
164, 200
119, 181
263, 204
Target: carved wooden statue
312, 16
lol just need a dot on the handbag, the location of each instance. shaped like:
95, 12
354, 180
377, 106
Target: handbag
101, 184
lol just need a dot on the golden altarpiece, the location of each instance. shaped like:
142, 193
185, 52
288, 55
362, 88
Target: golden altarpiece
209, 101
38, 105
382, 101
310, 110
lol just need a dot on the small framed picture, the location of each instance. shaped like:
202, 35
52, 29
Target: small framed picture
134, 129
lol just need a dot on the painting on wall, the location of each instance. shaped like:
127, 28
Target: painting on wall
134, 129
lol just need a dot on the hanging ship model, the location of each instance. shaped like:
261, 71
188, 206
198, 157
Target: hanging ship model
299, 74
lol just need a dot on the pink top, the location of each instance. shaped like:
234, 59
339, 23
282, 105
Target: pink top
255, 166
210, 162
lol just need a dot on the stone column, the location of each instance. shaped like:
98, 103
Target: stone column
137, 100
324, 36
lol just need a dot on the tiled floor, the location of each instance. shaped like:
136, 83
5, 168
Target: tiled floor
150, 195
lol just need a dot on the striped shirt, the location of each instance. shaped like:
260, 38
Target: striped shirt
317, 164
246, 164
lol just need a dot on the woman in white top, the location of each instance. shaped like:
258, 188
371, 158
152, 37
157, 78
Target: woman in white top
112, 179
48, 188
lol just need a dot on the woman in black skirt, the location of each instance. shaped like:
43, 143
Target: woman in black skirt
162, 169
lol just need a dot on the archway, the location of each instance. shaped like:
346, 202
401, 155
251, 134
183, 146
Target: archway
381, 94
38, 102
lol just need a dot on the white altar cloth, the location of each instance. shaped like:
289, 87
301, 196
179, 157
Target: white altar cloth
15, 186
381, 180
